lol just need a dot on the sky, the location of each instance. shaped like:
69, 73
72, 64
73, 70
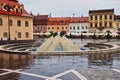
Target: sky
67, 8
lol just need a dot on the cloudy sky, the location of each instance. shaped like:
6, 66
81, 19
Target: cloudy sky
68, 7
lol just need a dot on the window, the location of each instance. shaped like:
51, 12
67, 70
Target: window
100, 24
27, 35
5, 35
95, 25
110, 24
86, 27
52, 27
66, 27
78, 27
100, 17
1, 22
57, 27
43, 28
26, 24
18, 23
21, 11
82, 27
48, 28
95, 17
62, 27
110, 16
19, 34
10, 22
91, 25
70, 28
105, 17
5, 8
91, 18
105, 24
74, 28
16, 10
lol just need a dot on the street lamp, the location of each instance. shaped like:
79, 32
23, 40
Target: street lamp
8, 10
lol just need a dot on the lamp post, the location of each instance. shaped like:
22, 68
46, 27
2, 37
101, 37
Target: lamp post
8, 10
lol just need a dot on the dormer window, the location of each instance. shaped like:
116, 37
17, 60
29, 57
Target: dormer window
5, 7
21, 11
16, 10
10, 8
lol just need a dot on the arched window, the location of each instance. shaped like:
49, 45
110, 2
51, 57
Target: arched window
5, 35
16, 10
19, 35
27, 35
1, 22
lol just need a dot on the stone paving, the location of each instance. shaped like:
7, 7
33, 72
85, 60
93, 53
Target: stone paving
86, 74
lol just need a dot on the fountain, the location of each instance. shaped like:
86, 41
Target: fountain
58, 42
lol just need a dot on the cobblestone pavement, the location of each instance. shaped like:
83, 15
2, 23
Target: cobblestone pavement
83, 74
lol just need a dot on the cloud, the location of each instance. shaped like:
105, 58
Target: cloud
68, 7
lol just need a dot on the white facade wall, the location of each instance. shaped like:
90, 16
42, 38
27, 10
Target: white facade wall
117, 24
78, 27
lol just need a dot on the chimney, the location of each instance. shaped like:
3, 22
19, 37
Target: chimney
50, 15
38, 14
73, 14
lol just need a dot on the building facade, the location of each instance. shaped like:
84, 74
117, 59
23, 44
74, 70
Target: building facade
58, 24
78, 25
101, 21
15, 22
117, 22
40, 23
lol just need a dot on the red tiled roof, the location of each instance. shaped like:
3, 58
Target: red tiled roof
14, 3
40, 20
101, 10
58, 20
40, 16
78, 19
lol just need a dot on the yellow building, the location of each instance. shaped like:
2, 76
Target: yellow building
15, 22
101, 21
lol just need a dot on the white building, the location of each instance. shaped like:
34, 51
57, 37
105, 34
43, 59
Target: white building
117, 22
78, 25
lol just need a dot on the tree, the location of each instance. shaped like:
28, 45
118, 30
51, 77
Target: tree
52, 34
108, 36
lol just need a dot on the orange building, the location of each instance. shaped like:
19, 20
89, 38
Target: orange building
58, 24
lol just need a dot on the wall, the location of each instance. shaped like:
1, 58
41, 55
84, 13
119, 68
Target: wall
14, 29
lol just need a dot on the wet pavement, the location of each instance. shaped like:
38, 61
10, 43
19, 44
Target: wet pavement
34, 67
79, 67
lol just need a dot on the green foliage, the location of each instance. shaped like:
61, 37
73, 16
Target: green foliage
52, 34
108, 36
